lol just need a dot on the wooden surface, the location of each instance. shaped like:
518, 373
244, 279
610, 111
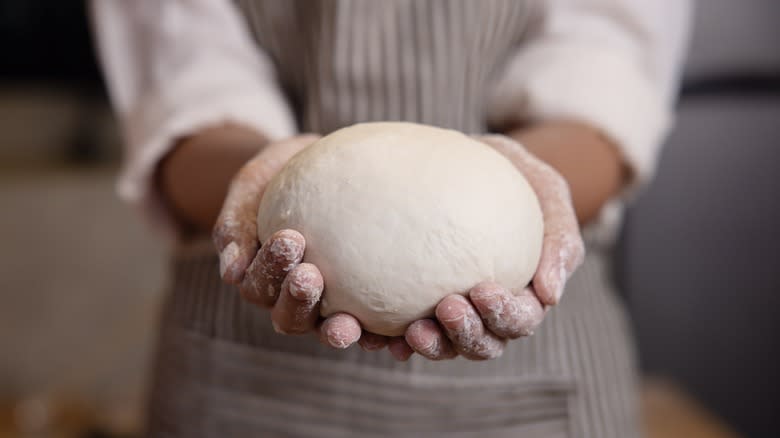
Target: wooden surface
671, 413
668, 413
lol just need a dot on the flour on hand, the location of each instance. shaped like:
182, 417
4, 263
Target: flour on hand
397, 216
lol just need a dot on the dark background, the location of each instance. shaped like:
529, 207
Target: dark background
698, 258
699, 254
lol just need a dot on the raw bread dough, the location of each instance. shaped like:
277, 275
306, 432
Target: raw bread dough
397, 215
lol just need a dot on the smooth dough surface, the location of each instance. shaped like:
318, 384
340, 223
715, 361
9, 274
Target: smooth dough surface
397, 216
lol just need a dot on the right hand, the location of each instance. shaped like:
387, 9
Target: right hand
273, 275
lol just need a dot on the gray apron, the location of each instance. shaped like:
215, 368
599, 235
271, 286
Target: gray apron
222, 371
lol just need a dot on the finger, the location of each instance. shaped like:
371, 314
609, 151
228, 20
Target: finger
340, 330
464, 328
277, 257
235, 231
297, 309
562, 254
427, 338
372, 341
400, 350
562, 247
508, 315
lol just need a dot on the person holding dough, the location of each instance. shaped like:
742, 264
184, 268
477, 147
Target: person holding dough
214, 98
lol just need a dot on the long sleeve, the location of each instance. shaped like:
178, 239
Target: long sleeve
612, 63
174, 67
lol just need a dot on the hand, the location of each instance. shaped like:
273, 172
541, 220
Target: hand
476, 328
479, 326
273, 275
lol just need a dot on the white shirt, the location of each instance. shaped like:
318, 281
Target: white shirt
587, 60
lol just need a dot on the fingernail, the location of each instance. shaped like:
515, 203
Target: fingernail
336, 342
432, 347
338, 338
454, 310
227, 257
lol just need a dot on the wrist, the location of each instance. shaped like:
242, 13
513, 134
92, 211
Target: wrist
590, 162
194, 176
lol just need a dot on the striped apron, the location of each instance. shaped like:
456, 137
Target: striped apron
221, 370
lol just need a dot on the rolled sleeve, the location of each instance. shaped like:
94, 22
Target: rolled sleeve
613, 64
174, 68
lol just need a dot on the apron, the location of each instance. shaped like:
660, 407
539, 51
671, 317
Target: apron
221, 370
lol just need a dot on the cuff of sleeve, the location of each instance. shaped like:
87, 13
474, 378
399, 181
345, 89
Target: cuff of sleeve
151, 138
600, 87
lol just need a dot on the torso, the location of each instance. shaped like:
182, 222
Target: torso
221, 369
346, 61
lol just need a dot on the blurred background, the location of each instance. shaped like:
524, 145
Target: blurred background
81, 278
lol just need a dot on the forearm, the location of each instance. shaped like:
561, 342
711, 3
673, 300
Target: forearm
587, 160
194, 177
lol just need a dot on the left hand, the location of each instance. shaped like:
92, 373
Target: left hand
273, 275
479, 325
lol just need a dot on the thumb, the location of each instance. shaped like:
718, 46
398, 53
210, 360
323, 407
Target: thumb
235, 232
562, 247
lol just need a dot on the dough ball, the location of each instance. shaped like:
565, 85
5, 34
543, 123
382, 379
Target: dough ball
398, 215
